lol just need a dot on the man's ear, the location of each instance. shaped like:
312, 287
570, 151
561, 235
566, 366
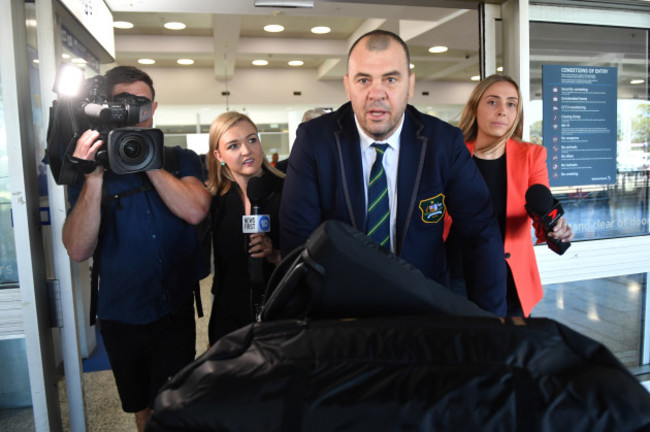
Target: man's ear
411, 84
154, 105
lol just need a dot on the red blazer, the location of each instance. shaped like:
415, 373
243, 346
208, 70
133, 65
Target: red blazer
525, 166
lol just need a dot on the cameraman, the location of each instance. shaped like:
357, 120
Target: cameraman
149, 252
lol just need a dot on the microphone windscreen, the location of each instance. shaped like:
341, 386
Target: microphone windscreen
256, 190
539, 198
93, 110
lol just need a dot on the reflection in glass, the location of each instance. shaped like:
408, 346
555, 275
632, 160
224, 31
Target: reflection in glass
608, 310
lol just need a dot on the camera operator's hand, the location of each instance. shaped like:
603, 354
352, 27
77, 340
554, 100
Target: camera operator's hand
87, 145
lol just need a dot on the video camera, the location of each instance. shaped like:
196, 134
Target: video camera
124, 150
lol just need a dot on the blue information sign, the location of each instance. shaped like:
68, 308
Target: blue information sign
580, 124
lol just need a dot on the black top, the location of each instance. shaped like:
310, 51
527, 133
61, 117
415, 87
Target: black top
234, 294
494, 174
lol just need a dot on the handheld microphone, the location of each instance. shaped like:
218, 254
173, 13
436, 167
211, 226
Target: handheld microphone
256, 223
545, 209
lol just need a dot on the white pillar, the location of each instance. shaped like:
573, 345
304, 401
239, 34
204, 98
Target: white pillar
516, 49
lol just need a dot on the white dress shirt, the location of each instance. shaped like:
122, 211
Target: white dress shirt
390, 161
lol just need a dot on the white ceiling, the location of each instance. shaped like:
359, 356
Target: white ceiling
227, 35
224, 36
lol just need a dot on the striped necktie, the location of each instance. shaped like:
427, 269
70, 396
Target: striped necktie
378, 205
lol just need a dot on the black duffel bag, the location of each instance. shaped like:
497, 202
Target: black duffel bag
321, 359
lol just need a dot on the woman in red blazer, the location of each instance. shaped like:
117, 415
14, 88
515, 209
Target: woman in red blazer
492, 123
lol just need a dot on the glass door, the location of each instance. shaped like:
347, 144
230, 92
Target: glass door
599, 287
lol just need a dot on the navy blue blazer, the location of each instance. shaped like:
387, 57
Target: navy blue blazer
436, 174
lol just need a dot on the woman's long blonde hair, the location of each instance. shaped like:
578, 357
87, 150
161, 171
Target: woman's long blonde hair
219, 176
468, 123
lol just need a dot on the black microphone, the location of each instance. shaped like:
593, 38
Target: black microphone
545, 209
256, 223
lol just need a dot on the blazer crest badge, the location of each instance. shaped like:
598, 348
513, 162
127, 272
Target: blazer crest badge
433, 209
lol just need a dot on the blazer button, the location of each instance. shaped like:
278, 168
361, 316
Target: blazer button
507, 255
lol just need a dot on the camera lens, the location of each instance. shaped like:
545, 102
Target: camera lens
133, 150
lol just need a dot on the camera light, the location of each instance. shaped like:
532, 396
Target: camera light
69, 80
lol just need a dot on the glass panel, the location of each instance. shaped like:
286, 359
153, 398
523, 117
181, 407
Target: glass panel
8, 267
618, 208
608, 310
275, 142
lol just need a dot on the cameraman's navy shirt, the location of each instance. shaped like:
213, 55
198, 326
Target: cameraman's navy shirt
151, 259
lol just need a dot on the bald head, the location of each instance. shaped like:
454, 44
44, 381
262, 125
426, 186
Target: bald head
379, 40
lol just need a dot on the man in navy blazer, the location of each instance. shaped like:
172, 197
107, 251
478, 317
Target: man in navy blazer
428, 167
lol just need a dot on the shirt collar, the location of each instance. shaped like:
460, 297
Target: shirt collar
392, 141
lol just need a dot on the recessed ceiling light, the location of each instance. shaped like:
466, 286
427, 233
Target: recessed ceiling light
476, 78
260, 62
500, 69
411, 65
65, 55
174, 25
296, 63
146, 61
185, 61
637, 81
321, 30
30, 22
36, 61
438, 49
122, 25
273, 28
78, 60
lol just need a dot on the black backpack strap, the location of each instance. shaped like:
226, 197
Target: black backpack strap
197, 300
94, 272
172, 165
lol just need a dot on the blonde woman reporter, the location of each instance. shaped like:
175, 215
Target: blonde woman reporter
236, 156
